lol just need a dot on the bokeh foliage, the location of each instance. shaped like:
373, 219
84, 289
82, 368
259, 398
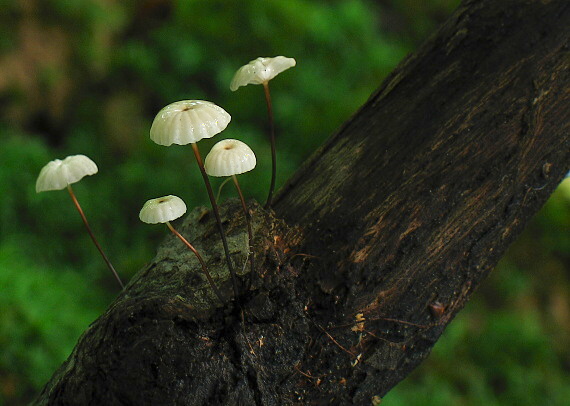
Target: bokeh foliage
88, 76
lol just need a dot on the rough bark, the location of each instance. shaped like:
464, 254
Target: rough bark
373, 246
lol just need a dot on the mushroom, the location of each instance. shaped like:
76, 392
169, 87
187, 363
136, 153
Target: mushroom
59, 174
230, 158
164, 210
260, 71
187, 122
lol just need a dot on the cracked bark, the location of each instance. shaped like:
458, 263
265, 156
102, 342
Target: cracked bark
373, 246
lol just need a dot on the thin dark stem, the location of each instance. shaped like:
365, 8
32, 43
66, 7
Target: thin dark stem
204, 268
217, 215
109, 265
249, 229
272, 140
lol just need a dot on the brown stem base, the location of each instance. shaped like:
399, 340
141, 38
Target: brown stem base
202, 263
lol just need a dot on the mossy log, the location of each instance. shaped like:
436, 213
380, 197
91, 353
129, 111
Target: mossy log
370, 249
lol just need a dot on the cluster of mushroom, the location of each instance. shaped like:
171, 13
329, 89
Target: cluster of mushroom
188, 122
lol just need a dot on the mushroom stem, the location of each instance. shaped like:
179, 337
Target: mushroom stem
249, 229
217, 215
204, 268
109, 265
220, 189
272, 140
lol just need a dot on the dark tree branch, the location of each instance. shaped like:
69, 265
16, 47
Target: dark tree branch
385, 233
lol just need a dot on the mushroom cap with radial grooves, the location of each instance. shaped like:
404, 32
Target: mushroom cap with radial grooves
188, 121
58, 174
261, 70
162, 209
229, 157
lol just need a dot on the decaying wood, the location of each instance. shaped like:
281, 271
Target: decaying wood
372, 247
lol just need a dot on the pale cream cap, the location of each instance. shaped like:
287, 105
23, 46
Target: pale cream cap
261, 70
229, 157
188, 121
57, 174
162, 209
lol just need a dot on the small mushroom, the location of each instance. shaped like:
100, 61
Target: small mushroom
164, 210
187, 122
230, 158
260, 71
59, 174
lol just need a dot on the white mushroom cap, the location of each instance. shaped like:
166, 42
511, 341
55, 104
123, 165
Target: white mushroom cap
162, 209
57, 174
261, 70
188, 121
229, 157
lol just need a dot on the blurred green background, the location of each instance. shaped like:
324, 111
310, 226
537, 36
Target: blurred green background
88, 76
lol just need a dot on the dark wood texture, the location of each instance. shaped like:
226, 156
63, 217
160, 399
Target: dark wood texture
373, 246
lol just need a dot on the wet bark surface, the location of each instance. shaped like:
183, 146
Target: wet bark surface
370, 250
